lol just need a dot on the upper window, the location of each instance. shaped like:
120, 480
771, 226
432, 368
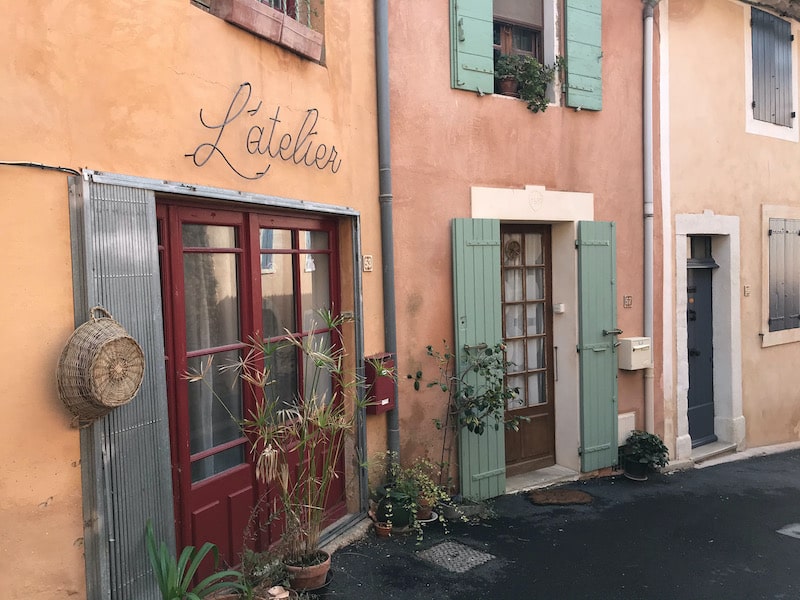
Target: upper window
772, 68
481, 30
518, 28
294, 24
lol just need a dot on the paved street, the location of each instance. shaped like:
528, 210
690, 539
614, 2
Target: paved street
697, 534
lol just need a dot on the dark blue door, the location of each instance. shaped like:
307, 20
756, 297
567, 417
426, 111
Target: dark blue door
699, 320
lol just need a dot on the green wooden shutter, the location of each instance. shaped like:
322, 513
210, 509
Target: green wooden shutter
584, 54
478, 320
125, 457
471, 36
596, 344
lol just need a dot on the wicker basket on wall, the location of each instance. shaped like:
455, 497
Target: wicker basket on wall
100, 368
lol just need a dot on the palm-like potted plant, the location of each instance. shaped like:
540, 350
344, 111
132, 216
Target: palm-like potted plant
297, 443
643, 452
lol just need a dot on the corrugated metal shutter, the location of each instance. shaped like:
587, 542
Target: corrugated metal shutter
479, 320
784, 274
583, 26
772, 68
125, 456
471, 58
597, 353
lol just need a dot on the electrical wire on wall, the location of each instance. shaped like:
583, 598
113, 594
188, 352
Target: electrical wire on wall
35, 165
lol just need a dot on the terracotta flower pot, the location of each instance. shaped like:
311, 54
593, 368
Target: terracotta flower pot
311, 577
383, 530
424, 509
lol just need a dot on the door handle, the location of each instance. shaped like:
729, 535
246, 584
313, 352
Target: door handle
612, 331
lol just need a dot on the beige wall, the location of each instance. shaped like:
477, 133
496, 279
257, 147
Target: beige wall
717, 166
117, 86
445, 141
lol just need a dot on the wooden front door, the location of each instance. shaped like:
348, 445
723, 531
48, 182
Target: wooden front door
527, 333
230, 276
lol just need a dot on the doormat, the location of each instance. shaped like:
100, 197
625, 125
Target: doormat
559, 497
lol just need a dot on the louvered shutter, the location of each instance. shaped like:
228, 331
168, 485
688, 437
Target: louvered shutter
596, 346
583, 25
478, 320
471, 58
772, 68
784, 274
125, 456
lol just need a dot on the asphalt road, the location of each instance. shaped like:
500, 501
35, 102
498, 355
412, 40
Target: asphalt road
708, 533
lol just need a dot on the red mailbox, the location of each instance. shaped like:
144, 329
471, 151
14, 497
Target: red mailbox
380, 388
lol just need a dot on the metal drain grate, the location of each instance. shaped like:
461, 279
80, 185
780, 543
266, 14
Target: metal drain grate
454, 557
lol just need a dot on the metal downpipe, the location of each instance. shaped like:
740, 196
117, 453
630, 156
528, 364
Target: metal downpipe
385, 200
647, 117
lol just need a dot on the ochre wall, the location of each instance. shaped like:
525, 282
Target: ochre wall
444, 141
717, 166
118, 86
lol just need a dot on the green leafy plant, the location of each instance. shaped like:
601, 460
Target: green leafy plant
534, 78
477, 393
472, 405
174, 577
508, 66
646, 448
409, 491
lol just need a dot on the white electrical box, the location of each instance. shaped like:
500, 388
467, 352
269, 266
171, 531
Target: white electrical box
635, 353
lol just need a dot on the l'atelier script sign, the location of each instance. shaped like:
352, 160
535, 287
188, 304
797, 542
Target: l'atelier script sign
266, 141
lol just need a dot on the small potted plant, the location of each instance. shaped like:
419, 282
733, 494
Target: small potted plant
643, 452
507, 71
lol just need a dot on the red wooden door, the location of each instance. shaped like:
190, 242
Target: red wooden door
230, 276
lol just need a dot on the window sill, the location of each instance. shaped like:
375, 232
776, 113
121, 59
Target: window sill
776, 338
270, 24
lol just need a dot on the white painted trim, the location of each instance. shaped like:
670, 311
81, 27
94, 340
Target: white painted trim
785, 336
667, 282
752, 125
729, 422
563, 210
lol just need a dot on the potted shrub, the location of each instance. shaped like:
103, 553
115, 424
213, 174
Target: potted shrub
643, 452
534, 77
297, 443
410, 495
507, 71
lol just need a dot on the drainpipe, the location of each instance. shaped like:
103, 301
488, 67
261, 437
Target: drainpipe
385, 199
647, 113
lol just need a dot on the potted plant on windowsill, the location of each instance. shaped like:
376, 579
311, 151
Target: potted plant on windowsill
534, 78
507, 72
643, 452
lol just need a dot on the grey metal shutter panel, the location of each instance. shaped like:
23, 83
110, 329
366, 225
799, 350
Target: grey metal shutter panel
125, 457
772, 68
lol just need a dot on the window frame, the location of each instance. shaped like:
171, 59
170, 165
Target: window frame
752, 124
786, 335
301, 32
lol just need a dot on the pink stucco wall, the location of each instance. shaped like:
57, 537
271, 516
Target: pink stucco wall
444, 141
